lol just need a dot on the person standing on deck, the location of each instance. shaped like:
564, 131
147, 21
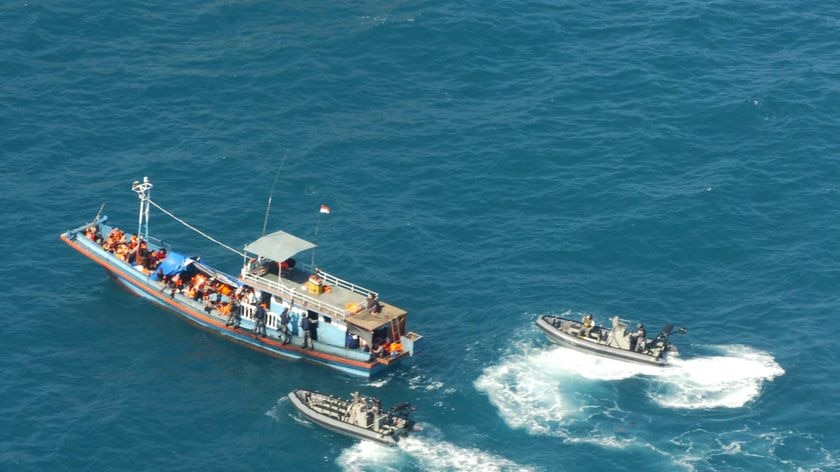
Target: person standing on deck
305, 327
284, 326
260, 316
586, 326
233, 318
639, 337
313, 329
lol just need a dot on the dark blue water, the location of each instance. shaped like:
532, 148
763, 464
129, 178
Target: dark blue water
485, 163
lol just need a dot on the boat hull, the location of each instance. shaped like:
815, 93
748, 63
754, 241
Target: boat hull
567, 340
142, 285
339, 427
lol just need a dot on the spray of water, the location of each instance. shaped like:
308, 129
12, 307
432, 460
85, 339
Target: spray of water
539, 390
729, 380
423, 453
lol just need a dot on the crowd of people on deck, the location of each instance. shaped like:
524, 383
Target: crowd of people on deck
214, 294
133, 250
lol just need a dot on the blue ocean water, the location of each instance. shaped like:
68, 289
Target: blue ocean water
485, 164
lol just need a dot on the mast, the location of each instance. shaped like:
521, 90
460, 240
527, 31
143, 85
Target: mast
143, 190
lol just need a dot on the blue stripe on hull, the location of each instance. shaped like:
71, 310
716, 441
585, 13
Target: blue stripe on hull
243, 339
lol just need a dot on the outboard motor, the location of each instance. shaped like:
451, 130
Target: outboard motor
661, 339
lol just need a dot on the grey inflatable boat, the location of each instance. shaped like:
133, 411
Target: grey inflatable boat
359, 417
615, 342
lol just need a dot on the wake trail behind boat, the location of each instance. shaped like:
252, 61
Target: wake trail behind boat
415, 453
369, 456
730, 380
543, 391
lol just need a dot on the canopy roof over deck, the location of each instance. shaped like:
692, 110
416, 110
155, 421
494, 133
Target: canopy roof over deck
278, 246
370, 321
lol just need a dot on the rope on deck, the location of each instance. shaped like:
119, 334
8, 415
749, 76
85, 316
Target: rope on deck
179, 220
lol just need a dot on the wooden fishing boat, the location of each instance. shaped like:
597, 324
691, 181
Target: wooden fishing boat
279, 307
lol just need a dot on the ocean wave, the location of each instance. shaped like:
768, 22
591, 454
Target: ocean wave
748, 449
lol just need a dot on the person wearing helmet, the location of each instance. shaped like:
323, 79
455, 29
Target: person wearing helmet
586, 325
639, 337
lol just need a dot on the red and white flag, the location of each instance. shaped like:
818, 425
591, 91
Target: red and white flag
325, 209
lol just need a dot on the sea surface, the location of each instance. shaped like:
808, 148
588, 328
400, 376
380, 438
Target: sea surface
485, 163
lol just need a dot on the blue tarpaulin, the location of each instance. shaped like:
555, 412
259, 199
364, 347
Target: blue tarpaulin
174, 263
177, 263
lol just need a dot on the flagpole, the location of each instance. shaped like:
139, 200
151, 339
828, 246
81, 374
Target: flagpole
314, 239
324, 209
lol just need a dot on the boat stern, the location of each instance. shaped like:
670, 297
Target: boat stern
412, 343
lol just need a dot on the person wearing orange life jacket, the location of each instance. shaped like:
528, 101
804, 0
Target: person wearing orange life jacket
394, 348
92, 233
176, 284
223, 308
380, 350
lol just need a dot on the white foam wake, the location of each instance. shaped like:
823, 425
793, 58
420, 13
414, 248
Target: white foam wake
527, 391
369, 456
440, 455
422, 453
730, 380
544, 391
560, 360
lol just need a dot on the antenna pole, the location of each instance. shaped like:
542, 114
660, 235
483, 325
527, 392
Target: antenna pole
98, 214
314, 239
271, 194
267, 209
148, 196
143, 190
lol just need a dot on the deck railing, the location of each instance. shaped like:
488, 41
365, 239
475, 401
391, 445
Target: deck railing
272, 320
249, 312
307, 301
333, 280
